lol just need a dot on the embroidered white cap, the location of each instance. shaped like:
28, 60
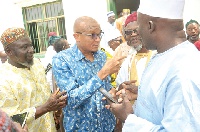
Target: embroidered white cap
171, 9
111, 13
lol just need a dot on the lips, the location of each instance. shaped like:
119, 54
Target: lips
30, 57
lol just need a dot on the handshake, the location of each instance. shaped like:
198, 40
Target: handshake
120, 101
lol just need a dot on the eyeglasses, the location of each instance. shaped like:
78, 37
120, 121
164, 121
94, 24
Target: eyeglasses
93, 35
129, 32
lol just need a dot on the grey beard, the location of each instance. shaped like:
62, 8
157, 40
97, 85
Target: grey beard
25, 63
138, 48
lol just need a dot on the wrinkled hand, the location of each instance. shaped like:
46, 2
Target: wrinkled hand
131, 90
56, 101
122, 110
19, 128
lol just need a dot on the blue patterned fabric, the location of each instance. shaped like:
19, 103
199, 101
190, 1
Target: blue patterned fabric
78, 76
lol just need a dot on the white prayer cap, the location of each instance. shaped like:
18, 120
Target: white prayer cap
171, 9
113, 34
111, 13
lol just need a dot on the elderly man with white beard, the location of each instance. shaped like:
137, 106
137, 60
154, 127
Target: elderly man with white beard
133, 66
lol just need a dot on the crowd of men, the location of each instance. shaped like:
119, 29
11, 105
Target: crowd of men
150, 69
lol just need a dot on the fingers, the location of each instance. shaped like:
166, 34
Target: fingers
107, 107
56, 92
121, 58
129, 82
124, 96
104, 98
60, 94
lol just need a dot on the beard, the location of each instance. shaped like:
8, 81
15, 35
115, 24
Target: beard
26, 64
138, 47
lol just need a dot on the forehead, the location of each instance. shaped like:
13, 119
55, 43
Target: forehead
23, 41
132, 25
193, 25
89, 26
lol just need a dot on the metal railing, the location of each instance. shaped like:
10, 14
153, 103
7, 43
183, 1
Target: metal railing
41, 19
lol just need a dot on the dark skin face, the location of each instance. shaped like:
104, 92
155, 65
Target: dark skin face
132, 39
143, 30
193, 32
20, 53
111, 19
157, 36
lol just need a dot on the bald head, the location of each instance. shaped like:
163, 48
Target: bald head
85, 23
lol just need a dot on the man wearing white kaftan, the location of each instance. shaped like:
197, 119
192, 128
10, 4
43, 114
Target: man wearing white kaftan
170, 86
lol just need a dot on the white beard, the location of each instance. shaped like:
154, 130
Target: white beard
138, 48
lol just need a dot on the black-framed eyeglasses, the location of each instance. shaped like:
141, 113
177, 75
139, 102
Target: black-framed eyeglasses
93, 35
129, 32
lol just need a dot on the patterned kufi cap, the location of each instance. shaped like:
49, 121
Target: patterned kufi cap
11, 35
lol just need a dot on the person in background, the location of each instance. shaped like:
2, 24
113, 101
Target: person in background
192, 31
197, 44
59, 45
82, 70
134, 65
108, 28
23, 85
47, 61
119, 22
113, 40
168, 94
111, 17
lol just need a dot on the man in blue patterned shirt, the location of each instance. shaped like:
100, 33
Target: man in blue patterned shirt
82, 70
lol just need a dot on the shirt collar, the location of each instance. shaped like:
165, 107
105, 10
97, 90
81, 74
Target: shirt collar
80, 56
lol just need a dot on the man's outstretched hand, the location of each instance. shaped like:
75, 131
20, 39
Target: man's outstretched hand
122, 110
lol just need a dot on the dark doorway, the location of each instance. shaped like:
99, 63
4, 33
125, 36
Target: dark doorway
126, 4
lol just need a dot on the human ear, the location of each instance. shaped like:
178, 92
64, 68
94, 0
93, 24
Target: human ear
151, 26
76, 36
8, 51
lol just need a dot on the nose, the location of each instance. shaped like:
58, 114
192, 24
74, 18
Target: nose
31, 49
98, 38
194, 30
134, 34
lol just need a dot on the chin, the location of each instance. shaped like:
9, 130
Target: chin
95, 50
27, 64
